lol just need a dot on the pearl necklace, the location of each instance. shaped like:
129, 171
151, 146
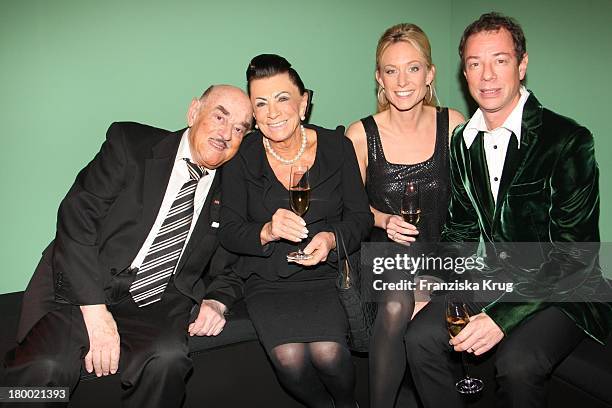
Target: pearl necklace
278, 157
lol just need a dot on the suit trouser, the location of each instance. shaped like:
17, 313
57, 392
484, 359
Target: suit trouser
523, 360
153, 363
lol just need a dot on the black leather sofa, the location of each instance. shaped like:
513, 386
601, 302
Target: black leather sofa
231, 370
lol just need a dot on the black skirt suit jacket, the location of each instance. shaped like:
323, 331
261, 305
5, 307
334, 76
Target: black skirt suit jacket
252, 194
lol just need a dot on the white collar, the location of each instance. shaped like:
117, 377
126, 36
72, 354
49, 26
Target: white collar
512, 123
184, 151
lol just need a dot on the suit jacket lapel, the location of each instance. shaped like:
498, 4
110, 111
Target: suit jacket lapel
326, 163
158, 169
208, 214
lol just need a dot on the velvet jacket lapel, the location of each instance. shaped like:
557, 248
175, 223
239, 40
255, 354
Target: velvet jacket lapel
516, 158
479, 176
514, 165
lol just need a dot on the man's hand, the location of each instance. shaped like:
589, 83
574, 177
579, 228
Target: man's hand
479, 336
210, 320
103, 354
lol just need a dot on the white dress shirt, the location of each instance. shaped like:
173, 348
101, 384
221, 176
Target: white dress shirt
496, 141
178, 177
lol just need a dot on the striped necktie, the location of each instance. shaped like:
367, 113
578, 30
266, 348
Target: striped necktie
162, 257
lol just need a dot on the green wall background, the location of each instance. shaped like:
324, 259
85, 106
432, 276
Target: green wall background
70, 68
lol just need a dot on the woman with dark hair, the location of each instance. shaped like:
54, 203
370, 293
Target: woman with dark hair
407, 140
294, 305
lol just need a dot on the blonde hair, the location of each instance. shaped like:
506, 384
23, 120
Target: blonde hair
412, 34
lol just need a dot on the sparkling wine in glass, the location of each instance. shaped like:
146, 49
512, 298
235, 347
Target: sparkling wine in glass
299, 199
457, 318
411, 203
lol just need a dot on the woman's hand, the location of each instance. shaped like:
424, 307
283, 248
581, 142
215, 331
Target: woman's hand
284, 225
400, 231
319, 248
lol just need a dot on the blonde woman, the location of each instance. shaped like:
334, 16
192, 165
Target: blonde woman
406, 140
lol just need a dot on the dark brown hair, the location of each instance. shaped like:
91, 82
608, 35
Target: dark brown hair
494, 21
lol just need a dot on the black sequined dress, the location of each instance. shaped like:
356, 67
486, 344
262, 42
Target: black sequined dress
385, 181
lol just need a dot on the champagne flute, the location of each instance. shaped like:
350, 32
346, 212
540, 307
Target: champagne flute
411, 203
299, 198
457, 318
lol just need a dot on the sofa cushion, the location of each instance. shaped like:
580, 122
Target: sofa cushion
589, 368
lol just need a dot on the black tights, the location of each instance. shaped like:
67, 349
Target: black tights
318, 374
388, 352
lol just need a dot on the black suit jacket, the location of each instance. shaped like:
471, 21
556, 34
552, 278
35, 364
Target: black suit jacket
105, 218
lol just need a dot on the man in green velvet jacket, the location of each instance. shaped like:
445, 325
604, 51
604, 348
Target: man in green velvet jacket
519, 173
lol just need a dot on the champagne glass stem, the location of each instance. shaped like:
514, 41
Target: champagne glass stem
464, 363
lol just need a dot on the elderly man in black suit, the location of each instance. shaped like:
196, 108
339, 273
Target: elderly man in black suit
134, 257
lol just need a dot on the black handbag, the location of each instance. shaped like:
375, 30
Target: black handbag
360, 314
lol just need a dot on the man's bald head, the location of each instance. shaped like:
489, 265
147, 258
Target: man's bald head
218, 120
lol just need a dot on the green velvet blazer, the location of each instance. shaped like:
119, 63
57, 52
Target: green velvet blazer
548, 193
